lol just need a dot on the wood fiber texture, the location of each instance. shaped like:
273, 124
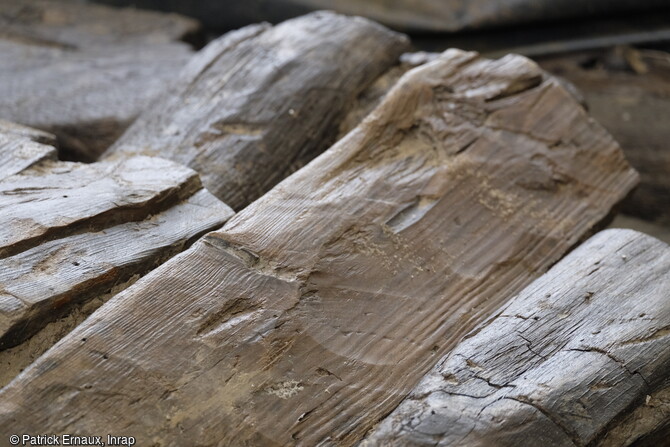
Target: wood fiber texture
71, 231
312, 313
86, 82
260, 102
576, 359
628, 92
21, 147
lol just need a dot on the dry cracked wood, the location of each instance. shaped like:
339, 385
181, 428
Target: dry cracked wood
261, 101
84, 83
314, 311
73, 24
628, 92
71, 231
575, 360
20, 148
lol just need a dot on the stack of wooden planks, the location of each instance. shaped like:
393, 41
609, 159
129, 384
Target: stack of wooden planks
398, 289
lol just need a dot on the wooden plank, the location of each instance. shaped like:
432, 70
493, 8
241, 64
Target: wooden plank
54, 199
258, 103
44, 282
580, 349
8, 128
74, 25
86, 97
20, 148
628, 104
313, 312
72, 231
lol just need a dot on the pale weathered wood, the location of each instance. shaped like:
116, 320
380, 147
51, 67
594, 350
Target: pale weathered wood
314, 311
71, 231
74, 24
8, 128
20, 148
44, 282
628, 92
258, 103
568, 362
85, 71
56, 198
88, 97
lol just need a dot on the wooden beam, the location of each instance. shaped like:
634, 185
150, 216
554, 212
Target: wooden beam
72, 231
580, 357
627, 90
260, 102
84, 71
313, 312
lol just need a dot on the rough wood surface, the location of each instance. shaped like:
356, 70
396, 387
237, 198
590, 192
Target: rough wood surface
628, 92
70, 231
258, 103
571, 361
8, 128
74, 24
20, 148
314, 311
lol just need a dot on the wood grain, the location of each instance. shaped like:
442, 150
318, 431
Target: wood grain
71, 231
314, 311
258, 103
20, 148
580, 349
629, 104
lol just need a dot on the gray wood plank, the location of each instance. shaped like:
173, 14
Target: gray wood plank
85, 97
258, 103
574, 359
20, 148
54, 198
40, 284
314, 311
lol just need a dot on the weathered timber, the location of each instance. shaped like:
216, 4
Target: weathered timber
71, 231
260, 102
86, 98
314, 311
628, 92
568, 362
20, 148
14, 130
75, 25
85, 71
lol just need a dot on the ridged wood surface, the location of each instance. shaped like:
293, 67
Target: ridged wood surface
579, 358
261, 101
314, 311
71, 231
21, 147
